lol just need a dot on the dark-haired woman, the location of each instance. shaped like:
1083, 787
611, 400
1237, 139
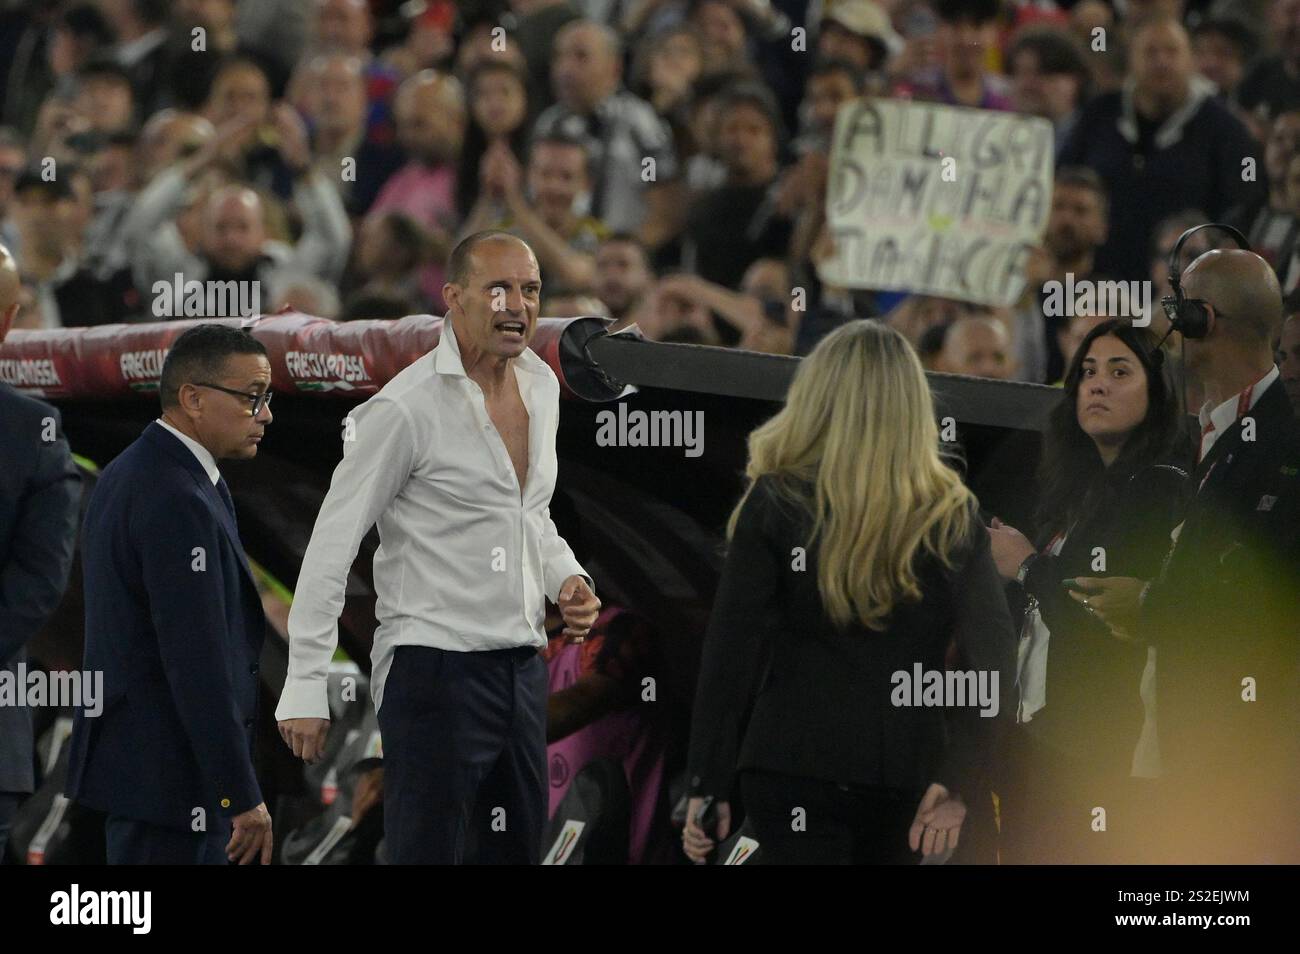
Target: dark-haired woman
1110, 496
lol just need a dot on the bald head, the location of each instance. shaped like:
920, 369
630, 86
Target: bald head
978, 346
430, 111
586, 64
9, 289
1243, 291
233, 230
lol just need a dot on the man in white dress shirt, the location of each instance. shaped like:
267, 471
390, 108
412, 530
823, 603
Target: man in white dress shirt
454, 459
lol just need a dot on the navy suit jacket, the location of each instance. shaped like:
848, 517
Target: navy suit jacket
40, 491
174, 621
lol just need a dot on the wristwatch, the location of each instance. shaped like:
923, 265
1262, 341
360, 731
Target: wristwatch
1024, 568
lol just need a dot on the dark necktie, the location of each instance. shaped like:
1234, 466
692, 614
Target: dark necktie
225, 496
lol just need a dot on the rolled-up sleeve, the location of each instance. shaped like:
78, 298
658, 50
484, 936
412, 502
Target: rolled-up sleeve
376, 464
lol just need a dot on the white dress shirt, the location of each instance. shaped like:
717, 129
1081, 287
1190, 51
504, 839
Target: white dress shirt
1215, 422
198, 450
464, 560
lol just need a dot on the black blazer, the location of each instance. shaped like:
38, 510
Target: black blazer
823, 706
177, 635
1093, 714
40, 490
1227, 606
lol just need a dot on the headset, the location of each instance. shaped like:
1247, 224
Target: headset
1190, 317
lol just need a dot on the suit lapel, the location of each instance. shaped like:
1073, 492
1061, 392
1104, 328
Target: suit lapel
181, 454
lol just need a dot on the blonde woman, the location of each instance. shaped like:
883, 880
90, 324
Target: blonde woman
856, 559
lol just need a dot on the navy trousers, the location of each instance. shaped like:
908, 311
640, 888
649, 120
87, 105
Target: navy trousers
132, 842
464, 756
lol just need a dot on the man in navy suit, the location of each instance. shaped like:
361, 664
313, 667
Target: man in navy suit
174, 621
39, 494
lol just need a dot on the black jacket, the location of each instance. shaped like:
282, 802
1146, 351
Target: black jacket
823, 709
40, 491
1093, 712
175, 624
1227, 607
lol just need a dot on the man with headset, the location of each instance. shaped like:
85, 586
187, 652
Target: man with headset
1222, 612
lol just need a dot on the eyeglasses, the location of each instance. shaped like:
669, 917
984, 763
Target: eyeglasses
255, 401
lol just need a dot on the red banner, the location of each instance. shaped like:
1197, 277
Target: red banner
307, 354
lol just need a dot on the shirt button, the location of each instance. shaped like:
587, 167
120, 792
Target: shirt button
248, 723
253, 669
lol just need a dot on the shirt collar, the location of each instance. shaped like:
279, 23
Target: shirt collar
447, 359
198, 450
1216, 420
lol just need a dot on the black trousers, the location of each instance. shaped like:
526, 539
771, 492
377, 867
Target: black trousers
838, 825
132, 842
464, 756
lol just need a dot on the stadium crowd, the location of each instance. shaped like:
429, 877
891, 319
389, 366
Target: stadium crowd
667, 159
668, 163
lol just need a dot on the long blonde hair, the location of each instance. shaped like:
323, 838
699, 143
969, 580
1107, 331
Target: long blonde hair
858, 428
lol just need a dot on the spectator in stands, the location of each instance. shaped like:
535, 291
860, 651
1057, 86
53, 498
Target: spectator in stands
724, 36
1269, 221
233, 244
347, 27
856, 32
573, 306
1049, 77
51, 218
1076, 228
241, 91
141, 30
498, 114
755, 316
1272, 85
730, 226
333, 102
978, 346
665, 73
1162, 144
391, 249
635, 189
1288, 359
876, 783
1112, 480
429, 42
430, 109
967, 30
623, 277
1224, 46
104, 97
546, 216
